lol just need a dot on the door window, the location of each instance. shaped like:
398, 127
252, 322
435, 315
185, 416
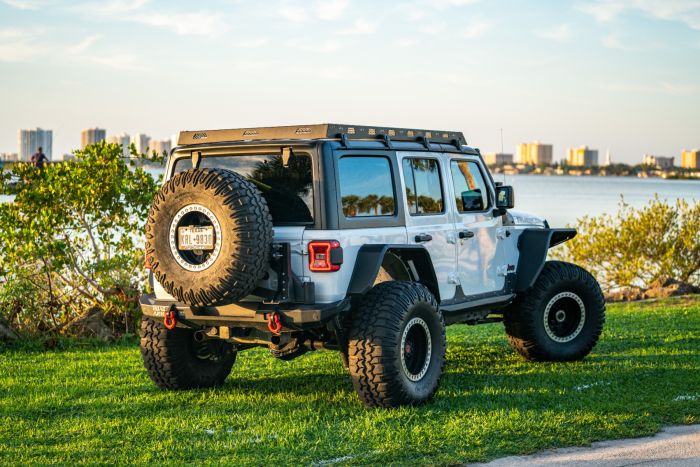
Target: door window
471, 190
366, 186
423, 186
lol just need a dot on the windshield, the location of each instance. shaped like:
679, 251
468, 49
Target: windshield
287, 190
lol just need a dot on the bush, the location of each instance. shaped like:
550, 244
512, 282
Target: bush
71, 243
635, 247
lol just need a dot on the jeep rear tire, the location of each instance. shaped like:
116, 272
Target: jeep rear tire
396, 345
560, 318
174, 360
235, 211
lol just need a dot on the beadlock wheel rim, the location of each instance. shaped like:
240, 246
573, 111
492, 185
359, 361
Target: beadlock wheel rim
564, 317
177, 254
416, 349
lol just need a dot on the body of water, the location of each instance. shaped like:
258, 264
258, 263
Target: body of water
563, 199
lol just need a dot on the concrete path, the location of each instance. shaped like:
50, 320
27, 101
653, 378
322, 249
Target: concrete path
674, 446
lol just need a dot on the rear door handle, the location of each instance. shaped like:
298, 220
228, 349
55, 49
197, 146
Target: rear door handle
466, 234
420, 238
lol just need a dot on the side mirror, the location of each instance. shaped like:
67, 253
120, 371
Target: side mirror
505, 197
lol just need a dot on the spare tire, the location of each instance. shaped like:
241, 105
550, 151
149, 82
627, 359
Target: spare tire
208, 236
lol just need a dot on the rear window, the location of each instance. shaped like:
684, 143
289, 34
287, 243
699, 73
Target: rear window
366, 186
287, 190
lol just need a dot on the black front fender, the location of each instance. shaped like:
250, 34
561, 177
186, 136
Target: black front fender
533, 245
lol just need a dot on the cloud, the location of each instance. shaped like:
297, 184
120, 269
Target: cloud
83, 45
119, 61
558, 33
200, 23
442, 4
323, 10
612, 41
406, 42
27, 4
331, 10
359, 27
252, 43
476, 27
683, 11
433, 28
315, 46
20, 46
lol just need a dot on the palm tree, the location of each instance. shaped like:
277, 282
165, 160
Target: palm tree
387, 204
350, 205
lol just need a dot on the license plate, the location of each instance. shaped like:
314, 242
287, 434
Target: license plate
195, 238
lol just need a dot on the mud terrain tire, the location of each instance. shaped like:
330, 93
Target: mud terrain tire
240, 218
560, 318
396, 345
174, 360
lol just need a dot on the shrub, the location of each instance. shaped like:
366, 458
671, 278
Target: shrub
635, 247
70, 243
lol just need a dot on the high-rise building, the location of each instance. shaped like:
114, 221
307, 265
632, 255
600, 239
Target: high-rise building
659, 162
92, 136
160, 146
608, 158
498, 158
582, 157
690, 159
123, 139
141, 142
9, 157
29, 141
535, 153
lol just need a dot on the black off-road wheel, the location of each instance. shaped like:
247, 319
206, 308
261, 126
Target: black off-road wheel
175, 360
560, 318
236, 219
396, 345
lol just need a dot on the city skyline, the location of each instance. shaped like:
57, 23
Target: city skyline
618, 74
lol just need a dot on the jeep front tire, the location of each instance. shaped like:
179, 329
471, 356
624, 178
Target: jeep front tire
396, 345
560, 318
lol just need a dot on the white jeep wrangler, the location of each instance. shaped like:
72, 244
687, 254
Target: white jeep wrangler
365, 240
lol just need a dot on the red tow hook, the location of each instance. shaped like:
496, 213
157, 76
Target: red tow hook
170, 319
274, 324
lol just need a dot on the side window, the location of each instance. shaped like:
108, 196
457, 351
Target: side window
366, 186
471, 190
423, 186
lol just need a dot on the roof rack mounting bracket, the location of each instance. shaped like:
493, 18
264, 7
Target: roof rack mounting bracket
344, 140
424, 141
196, 159
286, 155
386, 140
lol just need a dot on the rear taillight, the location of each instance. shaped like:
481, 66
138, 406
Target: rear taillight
325, 256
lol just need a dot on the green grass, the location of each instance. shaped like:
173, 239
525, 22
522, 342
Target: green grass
94, 403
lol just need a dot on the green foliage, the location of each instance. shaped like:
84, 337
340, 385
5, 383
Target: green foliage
71, 240
94, 405
637, 246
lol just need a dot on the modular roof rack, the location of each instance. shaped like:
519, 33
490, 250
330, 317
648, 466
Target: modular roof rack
321, 131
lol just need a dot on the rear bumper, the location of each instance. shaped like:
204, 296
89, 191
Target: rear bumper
293, 316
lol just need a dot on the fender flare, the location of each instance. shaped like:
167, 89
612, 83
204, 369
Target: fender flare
533, 245
370, 258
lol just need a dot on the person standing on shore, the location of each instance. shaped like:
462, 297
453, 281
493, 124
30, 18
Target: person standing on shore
39, 159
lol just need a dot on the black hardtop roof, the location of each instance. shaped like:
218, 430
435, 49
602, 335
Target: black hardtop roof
321, 131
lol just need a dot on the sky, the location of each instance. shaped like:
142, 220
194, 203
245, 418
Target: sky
617, 75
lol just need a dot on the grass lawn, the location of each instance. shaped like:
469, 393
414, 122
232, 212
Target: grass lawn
92, 403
